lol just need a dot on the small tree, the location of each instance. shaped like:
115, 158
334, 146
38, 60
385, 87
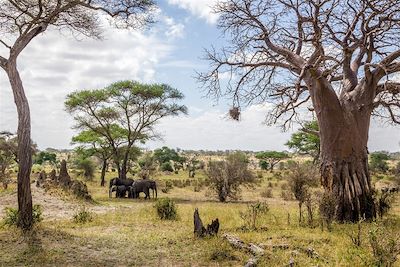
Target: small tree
226, 176
301, 177
378, 162
44, 156
306, 140
147, 164
272, 158
166, 154
95, 145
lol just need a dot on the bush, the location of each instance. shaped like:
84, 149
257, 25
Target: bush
11, 217
301, 178
385, 246
252, 213
166, 209
327, 205
378, 162
267, 193
83, 216
384, 201
225, 177
286, 195
87, 167
166, 167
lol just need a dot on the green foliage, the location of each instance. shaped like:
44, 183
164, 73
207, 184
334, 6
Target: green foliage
87, 167
378, 162
166, 166
44, 156
166, 154
271, 158
225, 177
263, 165
166, 209
305, 141
12, 214
82, 216
252, 213
385, 246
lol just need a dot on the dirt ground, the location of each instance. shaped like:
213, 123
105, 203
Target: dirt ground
54, 204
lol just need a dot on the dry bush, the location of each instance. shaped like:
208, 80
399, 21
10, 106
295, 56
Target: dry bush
267, 193
301, 177
385, 246
225, 177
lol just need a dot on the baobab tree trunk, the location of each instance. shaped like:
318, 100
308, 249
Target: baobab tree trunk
24, 147
103, 172
344, 156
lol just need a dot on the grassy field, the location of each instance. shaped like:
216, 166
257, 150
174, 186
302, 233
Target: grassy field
131, 234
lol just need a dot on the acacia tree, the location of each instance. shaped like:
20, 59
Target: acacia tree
306, 140
336, 57
271, 158
124, 114
20, 22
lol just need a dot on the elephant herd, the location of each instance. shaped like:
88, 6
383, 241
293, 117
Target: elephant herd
132, 188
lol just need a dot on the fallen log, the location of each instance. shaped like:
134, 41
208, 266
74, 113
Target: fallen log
254, 249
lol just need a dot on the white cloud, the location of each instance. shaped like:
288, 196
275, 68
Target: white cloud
199, 8
175, 30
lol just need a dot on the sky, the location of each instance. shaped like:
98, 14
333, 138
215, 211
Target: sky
56, 64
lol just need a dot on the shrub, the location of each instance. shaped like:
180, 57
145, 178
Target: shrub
168, 186
166, 167
301, 177
284, 186
166, 209
384, 201
252, 213
267, 193
385, 246
286, 195
378, 162
87, 167
327, 205
11, 217
83, 216
225, 177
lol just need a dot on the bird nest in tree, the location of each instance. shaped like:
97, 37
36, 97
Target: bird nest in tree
234, 113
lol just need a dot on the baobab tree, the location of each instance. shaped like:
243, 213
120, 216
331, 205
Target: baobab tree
337, 58
23, 20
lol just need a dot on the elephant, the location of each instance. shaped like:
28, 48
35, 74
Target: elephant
120, 190
143, 186
118, 182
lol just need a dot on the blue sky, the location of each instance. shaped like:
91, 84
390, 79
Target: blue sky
170, 51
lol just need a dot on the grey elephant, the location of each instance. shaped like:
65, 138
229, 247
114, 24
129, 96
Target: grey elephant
143, 186
120, 190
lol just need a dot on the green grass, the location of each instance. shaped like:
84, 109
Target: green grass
133, 235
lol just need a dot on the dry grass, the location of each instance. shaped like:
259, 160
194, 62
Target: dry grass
131, 234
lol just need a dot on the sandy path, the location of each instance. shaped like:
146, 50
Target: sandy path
53, 206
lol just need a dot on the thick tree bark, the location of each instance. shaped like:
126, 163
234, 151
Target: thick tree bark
103, 173
344, 126
24, 147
